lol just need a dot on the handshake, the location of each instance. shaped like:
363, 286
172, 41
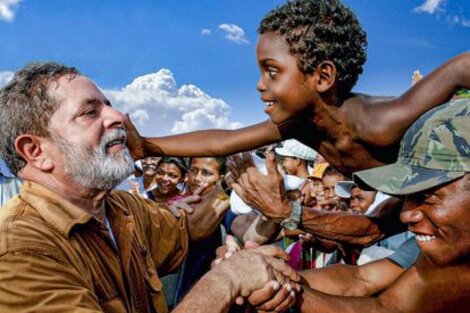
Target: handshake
259, 274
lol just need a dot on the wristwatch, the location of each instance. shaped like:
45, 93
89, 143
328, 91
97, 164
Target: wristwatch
293, 221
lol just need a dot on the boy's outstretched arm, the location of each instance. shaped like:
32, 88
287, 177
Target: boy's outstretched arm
203, 143
393, 117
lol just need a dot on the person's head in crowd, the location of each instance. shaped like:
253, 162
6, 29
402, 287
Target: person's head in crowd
149, 166
359, 200
149, 169
262, 152
72, 138
295, 157
171, 171
330, 200
302, 41
432, 173
209, 170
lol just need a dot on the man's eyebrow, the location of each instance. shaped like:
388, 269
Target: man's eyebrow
96, 101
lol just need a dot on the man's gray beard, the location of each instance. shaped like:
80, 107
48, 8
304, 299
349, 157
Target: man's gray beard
96, 170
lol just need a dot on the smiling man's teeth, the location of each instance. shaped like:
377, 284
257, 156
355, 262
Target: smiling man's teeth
269, 103
424, 237
114, 142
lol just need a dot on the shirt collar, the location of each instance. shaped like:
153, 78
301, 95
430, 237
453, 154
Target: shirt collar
59, 213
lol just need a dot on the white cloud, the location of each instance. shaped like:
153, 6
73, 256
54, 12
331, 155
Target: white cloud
5, 77
458, 19
8, 9
159, 107
437, 7
206, 32
430, 6
140, 116
234, 33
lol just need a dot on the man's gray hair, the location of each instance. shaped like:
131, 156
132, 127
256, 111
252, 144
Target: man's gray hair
26, 107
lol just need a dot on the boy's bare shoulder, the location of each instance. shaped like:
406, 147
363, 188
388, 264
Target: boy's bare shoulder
360, 99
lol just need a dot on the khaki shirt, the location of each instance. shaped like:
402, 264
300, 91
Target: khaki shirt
55, 257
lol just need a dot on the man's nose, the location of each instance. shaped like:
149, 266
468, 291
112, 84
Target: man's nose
113, 118
411, 215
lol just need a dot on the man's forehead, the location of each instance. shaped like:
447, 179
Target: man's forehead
77, 87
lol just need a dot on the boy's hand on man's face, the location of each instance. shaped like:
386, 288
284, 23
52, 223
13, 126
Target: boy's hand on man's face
134, 140
265, 192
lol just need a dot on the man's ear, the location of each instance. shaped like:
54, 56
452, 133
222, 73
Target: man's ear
326, 76
30, 148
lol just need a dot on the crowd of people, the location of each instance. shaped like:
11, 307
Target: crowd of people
338, 202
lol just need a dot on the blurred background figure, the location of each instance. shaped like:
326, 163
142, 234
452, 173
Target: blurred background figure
9, 184
295, 158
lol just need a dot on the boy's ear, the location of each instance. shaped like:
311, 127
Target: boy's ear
326, 74
30, 148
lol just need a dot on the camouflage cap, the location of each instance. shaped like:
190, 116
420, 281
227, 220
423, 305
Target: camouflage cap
434, 151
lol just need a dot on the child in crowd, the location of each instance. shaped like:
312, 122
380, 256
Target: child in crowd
310, 55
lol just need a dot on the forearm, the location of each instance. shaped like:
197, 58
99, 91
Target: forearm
213, 142
338, 279
213, 291
353, 228
314, 301
349, 228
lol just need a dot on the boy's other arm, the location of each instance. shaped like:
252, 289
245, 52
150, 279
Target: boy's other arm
216, 142
393, 117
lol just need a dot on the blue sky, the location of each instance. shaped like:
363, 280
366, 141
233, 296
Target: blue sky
184, 65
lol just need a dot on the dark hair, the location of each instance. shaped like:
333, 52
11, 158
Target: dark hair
331, 171
321, 30
179, 162
26, 107
221, 160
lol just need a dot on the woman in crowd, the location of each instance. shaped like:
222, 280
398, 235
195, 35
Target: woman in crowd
170, 176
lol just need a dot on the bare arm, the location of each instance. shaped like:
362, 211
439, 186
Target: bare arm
204, 142
430, 289
353, 281
395, 116
353, 228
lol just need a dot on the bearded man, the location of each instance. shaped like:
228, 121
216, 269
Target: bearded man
68, 242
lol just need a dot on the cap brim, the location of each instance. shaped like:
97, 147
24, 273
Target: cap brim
343, 189
284, 152
402, 179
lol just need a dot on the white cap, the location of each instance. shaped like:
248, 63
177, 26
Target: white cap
293, 148
343, 189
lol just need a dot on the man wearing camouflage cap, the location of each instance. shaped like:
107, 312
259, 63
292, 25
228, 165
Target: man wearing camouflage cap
432, 174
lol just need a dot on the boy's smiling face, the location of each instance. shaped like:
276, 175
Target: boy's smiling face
284, 89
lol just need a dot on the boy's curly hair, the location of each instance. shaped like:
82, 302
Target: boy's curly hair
321, 30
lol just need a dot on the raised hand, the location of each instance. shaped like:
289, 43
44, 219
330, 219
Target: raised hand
265, 192
134, 141
185, 204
